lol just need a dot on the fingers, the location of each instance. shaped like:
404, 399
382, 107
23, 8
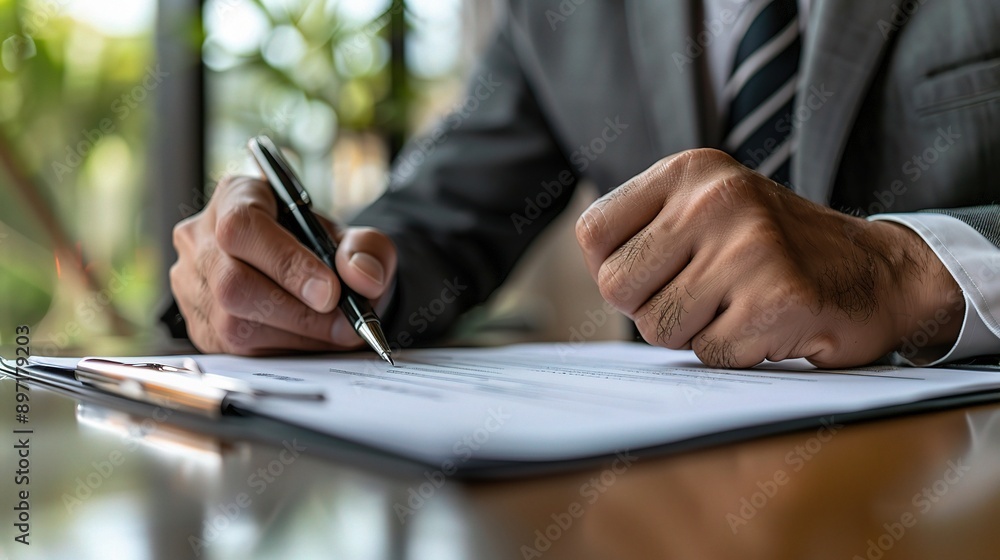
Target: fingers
720, 345
236, 309
245, 337
244, 293
619, 215
247, 286
682, 308
246, 230
641, 266
769, 328
366, 261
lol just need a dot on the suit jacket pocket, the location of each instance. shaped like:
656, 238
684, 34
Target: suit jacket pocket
970, 84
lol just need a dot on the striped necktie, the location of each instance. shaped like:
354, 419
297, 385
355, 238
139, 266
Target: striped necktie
761, 88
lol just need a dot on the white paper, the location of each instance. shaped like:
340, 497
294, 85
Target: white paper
538, 402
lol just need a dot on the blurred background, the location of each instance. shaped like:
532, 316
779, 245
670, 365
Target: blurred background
117, 118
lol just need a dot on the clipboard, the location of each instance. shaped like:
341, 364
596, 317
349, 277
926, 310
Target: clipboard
450, 394
235, 422
186, 389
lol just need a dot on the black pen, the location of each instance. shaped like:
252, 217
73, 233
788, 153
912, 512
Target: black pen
294, 214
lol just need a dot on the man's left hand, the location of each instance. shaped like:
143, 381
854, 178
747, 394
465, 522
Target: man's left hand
704, 253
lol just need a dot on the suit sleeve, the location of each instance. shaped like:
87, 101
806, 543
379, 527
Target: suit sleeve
466, 199
967, 240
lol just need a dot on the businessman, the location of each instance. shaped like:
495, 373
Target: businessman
780, 179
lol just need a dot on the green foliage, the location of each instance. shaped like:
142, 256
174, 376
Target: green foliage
75, 120
308, 66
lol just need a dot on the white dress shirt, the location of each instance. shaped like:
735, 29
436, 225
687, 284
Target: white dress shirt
971, 259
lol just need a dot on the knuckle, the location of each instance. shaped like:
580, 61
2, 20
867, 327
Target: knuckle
246, 191
229, 183
757, 243
232, 226
225, 182
590, 228
230, 287
661, 320
182, 233
826, 339
725, 196
234, 334
761, 228
673, 163
714, 350
176, 276
205, 343
293, 267
725, 351
710, 156
613, 284
645, 324
714, 195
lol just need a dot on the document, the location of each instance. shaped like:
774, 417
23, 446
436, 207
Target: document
547, 402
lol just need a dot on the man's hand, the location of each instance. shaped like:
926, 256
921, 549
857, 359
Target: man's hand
245, 285
703, 253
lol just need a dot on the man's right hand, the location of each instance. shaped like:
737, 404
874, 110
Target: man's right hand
245, 285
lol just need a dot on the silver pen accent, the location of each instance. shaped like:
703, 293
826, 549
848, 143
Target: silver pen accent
294, 214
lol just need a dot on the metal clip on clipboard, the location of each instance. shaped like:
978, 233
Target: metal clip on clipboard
188, 390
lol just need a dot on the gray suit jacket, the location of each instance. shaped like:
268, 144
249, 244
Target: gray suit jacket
898, 112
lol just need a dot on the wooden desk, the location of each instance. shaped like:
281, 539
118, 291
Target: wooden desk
910, 488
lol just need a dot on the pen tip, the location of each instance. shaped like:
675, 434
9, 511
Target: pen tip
388, 358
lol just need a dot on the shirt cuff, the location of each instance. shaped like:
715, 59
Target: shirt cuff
974, 263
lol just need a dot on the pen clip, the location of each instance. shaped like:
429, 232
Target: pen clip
156, 384
278, 171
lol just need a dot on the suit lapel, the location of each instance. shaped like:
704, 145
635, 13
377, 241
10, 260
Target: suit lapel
658, 33
843, 49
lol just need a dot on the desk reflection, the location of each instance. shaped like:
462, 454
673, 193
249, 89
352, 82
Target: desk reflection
919, 487
925, 486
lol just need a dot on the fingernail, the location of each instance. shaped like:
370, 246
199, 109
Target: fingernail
316, 293
369, 266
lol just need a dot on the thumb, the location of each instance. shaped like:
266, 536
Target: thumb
366, 261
